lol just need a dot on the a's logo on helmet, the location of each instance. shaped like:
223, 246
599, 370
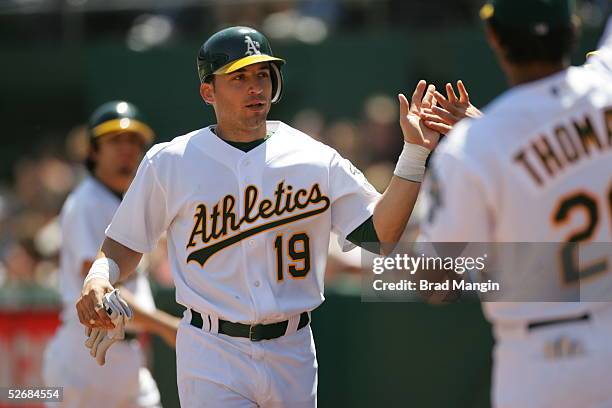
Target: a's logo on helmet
252, 46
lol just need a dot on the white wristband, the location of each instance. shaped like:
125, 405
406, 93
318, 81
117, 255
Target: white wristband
411, 163
104, 268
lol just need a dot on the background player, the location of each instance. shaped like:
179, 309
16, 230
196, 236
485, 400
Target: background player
536, 168
248, 205
118, 137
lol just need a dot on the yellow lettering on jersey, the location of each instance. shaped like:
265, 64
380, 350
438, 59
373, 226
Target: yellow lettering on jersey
587, 135
568, 147
199, 225
229, 216
547, 155
521, 158
216, 226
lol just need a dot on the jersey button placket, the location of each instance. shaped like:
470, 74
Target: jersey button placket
245, 168
244, 172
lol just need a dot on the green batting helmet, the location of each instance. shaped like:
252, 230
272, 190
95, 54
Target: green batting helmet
537, 16
117, 116
236, 47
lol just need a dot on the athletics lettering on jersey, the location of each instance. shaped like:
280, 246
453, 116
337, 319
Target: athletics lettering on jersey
544, 157
223, 220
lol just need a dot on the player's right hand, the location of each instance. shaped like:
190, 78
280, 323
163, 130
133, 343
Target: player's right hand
90, 307
411, 123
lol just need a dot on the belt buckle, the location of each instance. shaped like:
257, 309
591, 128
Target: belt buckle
255, 334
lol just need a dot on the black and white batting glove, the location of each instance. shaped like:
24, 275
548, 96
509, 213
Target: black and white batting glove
100, 340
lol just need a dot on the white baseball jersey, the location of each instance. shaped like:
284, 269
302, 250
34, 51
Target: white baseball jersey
247, 233
602, 59
536, 168
84, 217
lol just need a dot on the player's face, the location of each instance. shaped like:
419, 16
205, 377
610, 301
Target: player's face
243, 97
119, 154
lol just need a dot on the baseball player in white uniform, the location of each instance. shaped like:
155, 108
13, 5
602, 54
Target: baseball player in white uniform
248, 206
118, 138
537, 168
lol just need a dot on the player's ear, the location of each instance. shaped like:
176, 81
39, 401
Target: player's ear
207, 92
90, 163
92, 152
493, 39
495, 42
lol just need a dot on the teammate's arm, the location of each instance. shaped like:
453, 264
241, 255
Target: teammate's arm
139, 221
153, 321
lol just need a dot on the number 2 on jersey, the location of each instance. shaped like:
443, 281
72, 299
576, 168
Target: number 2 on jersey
589, 203
298, 248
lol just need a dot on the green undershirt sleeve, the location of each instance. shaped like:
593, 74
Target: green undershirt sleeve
365, 236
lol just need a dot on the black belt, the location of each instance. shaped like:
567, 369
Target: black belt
535, 325
255, 332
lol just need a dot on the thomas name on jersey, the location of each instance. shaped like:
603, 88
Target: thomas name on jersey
567, 145
223, 219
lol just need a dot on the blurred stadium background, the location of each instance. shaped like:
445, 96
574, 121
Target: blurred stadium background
347, 59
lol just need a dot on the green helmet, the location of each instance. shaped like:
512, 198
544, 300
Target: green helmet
537, 16
236, 47
118, 116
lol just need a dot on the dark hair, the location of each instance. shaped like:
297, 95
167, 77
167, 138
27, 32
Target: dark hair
90, 163
522, 46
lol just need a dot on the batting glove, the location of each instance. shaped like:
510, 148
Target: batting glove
100, 340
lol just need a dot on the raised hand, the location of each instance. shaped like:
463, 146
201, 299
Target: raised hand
451, 110
411, 122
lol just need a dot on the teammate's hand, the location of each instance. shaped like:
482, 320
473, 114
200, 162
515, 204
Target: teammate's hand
411, 122
451, 110
90, 307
